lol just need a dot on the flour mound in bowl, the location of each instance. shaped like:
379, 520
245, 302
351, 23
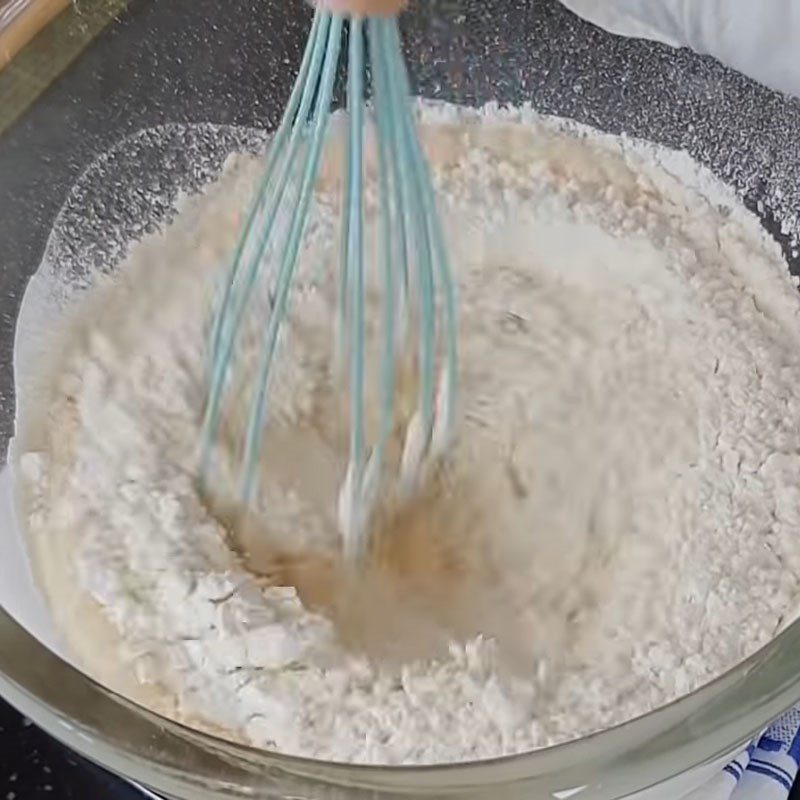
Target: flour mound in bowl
615, 526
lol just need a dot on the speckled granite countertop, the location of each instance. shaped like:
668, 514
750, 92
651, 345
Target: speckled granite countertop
35, 767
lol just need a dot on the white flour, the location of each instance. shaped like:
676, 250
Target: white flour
628, 463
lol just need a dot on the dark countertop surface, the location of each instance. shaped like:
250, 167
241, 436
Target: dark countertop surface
222, 62
35, 767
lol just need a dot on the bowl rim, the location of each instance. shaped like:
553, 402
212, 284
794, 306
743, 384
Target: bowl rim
693, 730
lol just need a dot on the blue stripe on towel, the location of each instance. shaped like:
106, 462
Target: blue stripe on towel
770, 774
760, 761
735, 770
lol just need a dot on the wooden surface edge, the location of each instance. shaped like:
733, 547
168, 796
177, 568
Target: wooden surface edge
23, 26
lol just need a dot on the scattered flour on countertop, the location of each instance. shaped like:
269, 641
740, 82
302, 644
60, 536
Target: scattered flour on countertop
628, 461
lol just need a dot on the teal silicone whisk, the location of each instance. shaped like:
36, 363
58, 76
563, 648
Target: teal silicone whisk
415, 275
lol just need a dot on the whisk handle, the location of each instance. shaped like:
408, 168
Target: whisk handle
364, 8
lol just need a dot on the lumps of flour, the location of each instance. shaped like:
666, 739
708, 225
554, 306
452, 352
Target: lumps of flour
623, 489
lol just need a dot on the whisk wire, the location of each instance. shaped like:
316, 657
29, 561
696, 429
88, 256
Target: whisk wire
391, 177
389, 220
445, 414
419, 430
411, 255
268, 194
288, 263
262, 215
354, 280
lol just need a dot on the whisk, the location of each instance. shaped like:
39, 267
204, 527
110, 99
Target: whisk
418, 294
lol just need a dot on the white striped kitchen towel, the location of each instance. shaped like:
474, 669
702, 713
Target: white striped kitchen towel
765, 771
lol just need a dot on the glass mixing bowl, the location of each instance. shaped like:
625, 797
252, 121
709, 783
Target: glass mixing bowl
168, 69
